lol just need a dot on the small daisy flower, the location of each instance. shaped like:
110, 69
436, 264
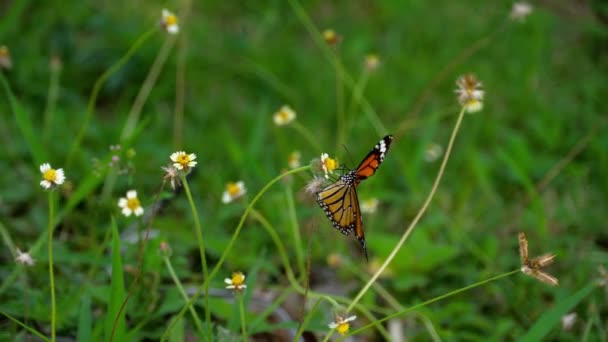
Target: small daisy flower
130, 204
341, 324
236, 282
331, 37
169, 22
294, 159
469, 93
328, 164
24, 258
520, 11
50, 176
284, 116
532, 267
233, 191
5, 58
369, 206
432, 152
372, 62
183, 161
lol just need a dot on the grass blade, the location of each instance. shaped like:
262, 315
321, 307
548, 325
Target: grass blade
84, 319
552, 318
25, 125
117, 291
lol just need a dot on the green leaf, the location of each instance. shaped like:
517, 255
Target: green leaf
117, 291
177, 334
84, 319
25, 125
552, 318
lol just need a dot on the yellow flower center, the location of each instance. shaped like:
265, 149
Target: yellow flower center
183, 159
283, 115
133, 203
330, 164
49, 175
3, 51
171, 20
233, 189
238, 278
342, 328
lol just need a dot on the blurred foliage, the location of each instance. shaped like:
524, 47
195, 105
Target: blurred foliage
545, 79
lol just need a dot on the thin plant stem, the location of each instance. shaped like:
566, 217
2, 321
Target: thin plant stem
335, 62
306, 320
421, 212
231, 243
146, 88
182, 291
441, 75
314, 142
307, 275
295, 229
341, 117
51, 99
357, 96
201, 246
180, 77
51, 273
433, 300
6, 237
228, 248
25, 326
306, 290
140, 260
242, 314
97, 87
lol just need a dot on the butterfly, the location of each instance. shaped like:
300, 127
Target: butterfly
339, 200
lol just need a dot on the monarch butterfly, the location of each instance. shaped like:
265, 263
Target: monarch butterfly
339, 200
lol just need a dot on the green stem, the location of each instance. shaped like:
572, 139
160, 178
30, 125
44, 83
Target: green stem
97, 87
430, 301
51, 99
6, 237
51, 274
25, 326
201, 246
341, 117
314, 142
372, 116
306, 320
197, 320
242, 312
294, 283
421, 212
146, 88
291, 209
229, 247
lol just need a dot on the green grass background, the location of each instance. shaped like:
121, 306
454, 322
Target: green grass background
545, 82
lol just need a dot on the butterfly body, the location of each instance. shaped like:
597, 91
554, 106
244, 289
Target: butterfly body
340, 201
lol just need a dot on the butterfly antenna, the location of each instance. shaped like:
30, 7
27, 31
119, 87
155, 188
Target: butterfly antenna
350, 156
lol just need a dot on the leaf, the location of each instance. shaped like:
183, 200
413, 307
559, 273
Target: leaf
553, 317
84, 319
25, 125
117, 291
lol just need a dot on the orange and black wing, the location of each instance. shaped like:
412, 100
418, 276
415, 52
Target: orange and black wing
339, 201
359, 233
374, 158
